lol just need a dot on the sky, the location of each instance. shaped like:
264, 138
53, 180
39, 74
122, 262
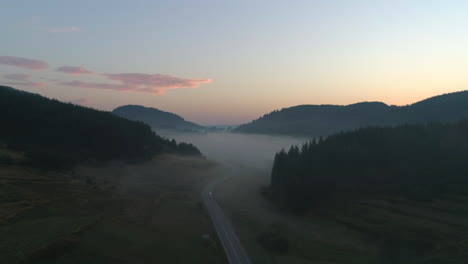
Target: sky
229, 62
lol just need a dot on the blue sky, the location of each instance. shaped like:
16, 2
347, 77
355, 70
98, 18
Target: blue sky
239, 59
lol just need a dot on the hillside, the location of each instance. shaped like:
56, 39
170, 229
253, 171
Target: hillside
156, 118
404, 189
410, 160
323, 120
108, 214
51, 134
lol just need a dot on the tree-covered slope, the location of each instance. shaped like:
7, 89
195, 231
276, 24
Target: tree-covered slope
156, 118
323, 120
55, 134
423, 161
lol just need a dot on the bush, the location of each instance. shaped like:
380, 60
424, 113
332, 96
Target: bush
5, 159
273, 242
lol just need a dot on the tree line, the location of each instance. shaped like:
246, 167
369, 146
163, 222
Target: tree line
421, 161
307, 120
52, 134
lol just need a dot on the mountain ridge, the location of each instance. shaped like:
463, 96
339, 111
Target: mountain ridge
55, 135
326, 119
156, 118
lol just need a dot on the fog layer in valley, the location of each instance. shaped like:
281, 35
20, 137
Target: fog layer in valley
246, 150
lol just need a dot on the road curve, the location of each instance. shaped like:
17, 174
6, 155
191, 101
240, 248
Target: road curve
235, 253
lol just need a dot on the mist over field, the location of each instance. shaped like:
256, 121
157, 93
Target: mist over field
240, 132
247, 150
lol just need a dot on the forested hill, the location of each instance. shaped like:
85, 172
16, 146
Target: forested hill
419, 161
156, 118
323, 120
52, 134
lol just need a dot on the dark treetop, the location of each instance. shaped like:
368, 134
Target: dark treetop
156, 118
323, 120
422, 161
53, 134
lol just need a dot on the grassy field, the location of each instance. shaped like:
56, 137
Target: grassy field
118, 213
379, 230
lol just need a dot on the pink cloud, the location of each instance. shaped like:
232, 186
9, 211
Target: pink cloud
61, 29
154, 81
27, 84
23, 63
138, 82
80, 101
105, 86
73, 70
17, 77
50, 79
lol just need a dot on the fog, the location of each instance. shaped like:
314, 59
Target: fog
247, 150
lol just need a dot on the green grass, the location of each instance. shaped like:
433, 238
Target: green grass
375, 230
114, 241
401, 232
413, 231
58, 219
20, 240
302, 249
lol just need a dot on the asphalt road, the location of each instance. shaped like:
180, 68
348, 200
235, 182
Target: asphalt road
235, 253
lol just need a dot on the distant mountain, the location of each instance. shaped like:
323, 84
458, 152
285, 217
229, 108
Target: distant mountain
323, 120
156, 118
52, 134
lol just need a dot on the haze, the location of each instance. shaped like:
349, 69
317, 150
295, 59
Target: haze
240, 132
248, 151
239, 59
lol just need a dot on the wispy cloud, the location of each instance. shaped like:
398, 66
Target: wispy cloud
51, 80
26, 84
105, 86
24, 63
156, 81
17, 77
60, 29
73, 70
138, 82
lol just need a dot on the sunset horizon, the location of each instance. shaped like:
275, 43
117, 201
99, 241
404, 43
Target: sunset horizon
275, 56
234, 132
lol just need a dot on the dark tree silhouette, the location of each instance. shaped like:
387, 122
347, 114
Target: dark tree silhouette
53, 134
156, 118
307, 120
418, 161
